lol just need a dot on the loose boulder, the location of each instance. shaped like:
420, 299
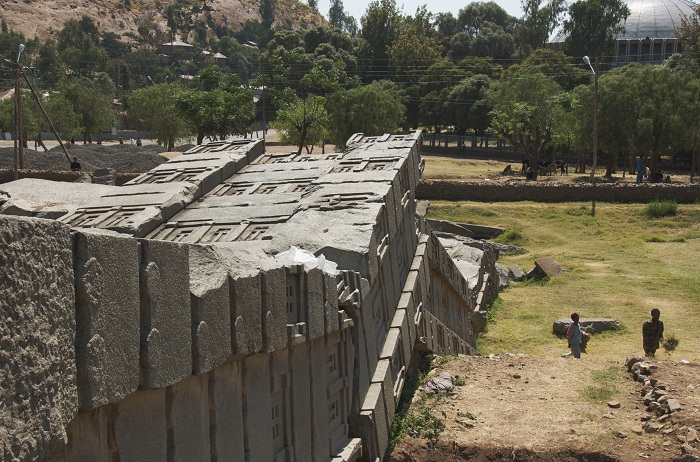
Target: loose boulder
517, 272
547, 267
590, 325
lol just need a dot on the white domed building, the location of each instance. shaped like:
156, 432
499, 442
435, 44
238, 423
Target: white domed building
650, 31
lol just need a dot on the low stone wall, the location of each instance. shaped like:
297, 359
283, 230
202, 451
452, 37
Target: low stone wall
7, 175
556, 192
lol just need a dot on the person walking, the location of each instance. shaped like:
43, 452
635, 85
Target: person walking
573, 334
652, 333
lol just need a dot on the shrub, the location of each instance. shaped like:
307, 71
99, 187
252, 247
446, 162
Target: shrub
670, 342
665, 208
512, 236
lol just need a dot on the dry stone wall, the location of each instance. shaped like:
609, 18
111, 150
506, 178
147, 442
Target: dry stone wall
192, 341
541, 192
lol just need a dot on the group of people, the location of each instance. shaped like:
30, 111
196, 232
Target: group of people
652, 335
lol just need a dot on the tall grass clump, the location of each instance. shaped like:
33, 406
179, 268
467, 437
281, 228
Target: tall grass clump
512, 236
661, 208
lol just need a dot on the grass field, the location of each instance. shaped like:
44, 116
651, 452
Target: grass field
619, 264
462, 168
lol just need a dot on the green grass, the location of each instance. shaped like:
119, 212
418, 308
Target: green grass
658, 208
602, 385
619, 264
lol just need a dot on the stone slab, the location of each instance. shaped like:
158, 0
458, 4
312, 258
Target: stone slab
166, 345
210, 321
140, 427
226, 391
38, 392
549, 267
107, 317
188, 412
246, 306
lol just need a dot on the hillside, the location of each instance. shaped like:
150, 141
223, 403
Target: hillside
43, 18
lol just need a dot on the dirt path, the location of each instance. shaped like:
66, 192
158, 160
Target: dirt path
517, 407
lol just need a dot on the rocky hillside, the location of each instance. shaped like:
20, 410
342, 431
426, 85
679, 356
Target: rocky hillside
43, 18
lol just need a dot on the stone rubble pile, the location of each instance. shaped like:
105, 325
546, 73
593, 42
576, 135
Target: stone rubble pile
660, 407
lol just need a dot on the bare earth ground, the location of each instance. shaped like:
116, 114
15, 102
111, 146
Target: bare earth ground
520, 408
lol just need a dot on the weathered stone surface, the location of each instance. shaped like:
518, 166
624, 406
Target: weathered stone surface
166, 343
591, 325
517, 272
46, 199
211, 313
548, 267
503, 279
38, 392
478, 320
107, 317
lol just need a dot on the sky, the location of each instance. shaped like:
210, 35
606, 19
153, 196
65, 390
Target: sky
357, 8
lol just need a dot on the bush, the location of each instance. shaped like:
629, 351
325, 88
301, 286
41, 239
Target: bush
665, 208
512, 236
670, 342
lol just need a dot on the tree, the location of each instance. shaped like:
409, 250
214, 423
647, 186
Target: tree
592, 26
380, 28
415, 48
336, 14
477, 14
369, 109
493, 40
49, 66
560, 67
467, 104
221, 111
689, 34
154, 107
80, 46
303, 117
526, 110
538, 23
434, 87
303, 122
93, 106
267, 12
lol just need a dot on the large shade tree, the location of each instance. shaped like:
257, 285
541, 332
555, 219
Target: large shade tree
372, 109
154, 106
527, 107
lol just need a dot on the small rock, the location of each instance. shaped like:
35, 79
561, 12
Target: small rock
614, 404
667, 443
673, 405
645, 418
516, 376
667, 431
637, 429
621, 435
467, 423
651, 427
664, 418
687, 449
643, 455
692, 436
608, 416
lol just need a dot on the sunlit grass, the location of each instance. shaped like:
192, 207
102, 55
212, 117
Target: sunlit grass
619, 264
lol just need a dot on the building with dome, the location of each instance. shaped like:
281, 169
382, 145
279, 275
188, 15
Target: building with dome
650, 31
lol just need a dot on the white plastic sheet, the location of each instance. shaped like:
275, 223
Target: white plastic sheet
297, 256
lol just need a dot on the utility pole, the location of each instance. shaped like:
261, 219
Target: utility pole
19, 147
587, 60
